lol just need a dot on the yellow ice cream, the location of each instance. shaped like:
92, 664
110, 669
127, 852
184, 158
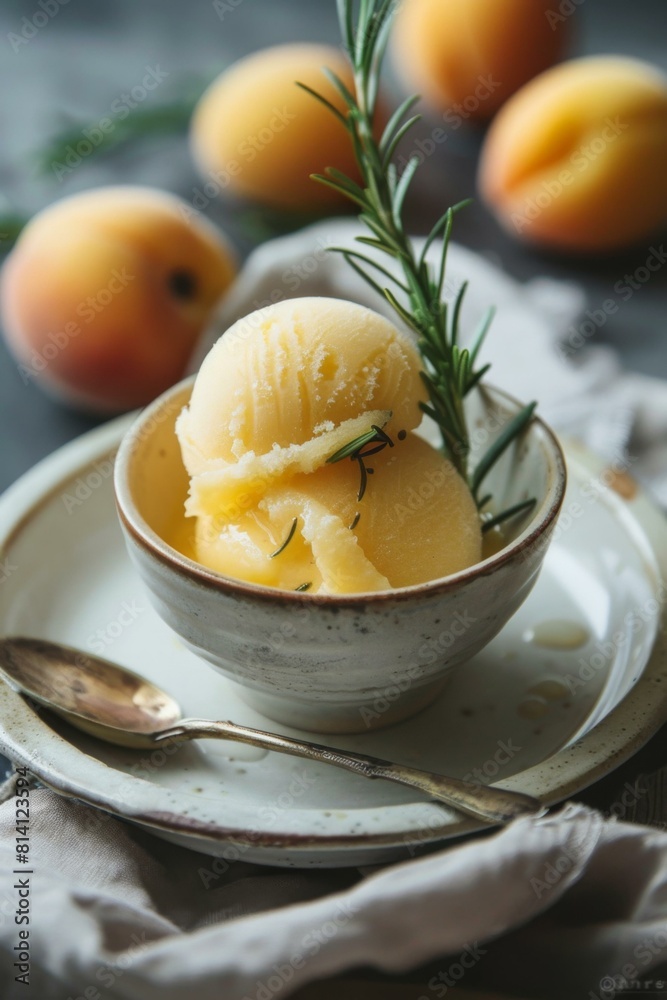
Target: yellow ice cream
277, 396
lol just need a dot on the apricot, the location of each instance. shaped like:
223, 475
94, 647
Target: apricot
466, 57
105, 294
577, 160
259, 136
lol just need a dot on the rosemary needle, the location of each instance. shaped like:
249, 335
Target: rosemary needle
351, 449
363, 483
289, 538
519, 508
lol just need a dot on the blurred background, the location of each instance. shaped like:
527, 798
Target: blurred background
64, 64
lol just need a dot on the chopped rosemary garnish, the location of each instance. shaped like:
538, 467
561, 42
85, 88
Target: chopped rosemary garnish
303, 587
350, 449
363, 481
287, 540
450, 371
356, 520
518, 508
354, 450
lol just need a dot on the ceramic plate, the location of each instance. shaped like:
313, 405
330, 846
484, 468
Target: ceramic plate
573, 685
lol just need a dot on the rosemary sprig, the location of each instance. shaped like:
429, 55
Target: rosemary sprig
450, 371
166, 119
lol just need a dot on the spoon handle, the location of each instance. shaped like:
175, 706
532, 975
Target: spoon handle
494, 805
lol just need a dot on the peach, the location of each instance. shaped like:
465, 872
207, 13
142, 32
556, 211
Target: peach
466, 57
106, 292
577, 160
259, 136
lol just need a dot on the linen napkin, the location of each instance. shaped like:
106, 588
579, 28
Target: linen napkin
571, 905
575, 904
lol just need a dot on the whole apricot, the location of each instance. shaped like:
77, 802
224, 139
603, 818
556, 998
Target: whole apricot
258, 135
106, 292
466, 57
577, 160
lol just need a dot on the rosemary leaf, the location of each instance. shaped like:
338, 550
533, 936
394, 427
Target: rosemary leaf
346, 21
364, 480
477, 377
402, 188
402, 131
509, 434
432, 236
344, 181
289, 538
481, 332
456, 315
362, 274
350, 449
393, 124
505, 515
321, 179
369, 261
327, 104
341, 88
446, 236
397, 307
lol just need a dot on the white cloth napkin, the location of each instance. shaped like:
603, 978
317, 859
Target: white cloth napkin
576, 901
557, 907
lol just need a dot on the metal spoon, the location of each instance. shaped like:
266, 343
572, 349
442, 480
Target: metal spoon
116, 705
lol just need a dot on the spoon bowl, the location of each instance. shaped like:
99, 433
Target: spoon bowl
113, 704
95, 695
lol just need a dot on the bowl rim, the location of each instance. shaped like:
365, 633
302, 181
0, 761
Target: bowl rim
148, 539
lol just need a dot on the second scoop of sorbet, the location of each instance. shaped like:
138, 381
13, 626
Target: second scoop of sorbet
280, 393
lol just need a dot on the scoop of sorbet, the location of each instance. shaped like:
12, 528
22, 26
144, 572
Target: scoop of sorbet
276, 398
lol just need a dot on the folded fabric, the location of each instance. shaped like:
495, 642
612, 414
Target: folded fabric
117, 912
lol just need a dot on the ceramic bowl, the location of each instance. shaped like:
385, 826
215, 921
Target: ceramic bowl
336, 663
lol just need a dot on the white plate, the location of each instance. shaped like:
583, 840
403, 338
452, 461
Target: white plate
66, 577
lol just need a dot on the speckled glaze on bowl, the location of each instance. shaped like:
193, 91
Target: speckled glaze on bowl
335, 664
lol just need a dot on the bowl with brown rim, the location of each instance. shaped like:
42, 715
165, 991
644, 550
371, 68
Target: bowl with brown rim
332, 663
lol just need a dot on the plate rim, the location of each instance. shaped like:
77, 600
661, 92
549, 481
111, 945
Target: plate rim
22, 501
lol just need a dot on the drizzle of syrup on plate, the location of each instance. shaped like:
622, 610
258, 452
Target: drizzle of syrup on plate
558, 634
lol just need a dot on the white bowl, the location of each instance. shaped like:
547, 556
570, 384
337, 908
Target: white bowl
336, 663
